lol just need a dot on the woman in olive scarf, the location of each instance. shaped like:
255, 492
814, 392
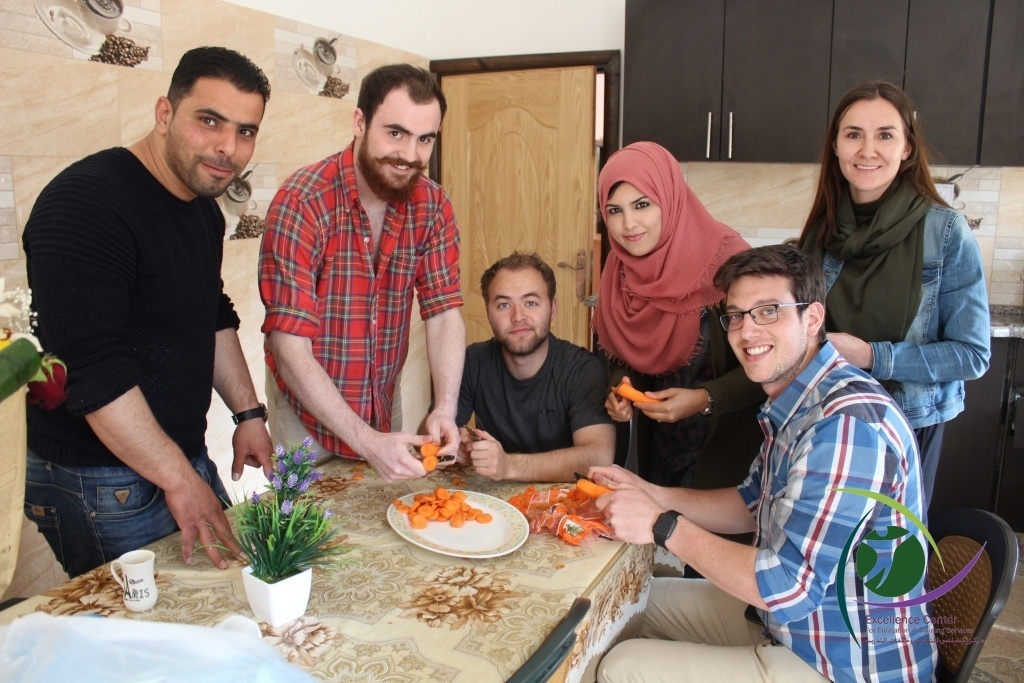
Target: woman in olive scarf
907, 299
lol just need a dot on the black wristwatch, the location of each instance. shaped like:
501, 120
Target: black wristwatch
665, 525
258, 411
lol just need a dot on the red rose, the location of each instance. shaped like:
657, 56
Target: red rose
48, 388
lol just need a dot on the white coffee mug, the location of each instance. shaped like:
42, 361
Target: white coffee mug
138, 585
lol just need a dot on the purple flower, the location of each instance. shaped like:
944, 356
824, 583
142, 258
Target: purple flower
255, 498
311, 458
298, 457
316, 476
328, 514
293, 480
282, 466
280, 451
308, 442
304, 484
277, 482
286, 507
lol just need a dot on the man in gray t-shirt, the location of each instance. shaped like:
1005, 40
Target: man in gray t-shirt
538, 400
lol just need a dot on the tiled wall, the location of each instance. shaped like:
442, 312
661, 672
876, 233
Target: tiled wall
768, 203
58, 107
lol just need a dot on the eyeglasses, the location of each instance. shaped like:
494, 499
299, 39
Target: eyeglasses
761, 315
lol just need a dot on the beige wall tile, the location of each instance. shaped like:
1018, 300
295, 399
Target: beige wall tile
776, 195
31, 175
191, 23
138, 92
1011, 202
371, 55
300, 129
56, 107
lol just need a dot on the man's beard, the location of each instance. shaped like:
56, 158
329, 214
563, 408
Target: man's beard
525, 348
373, 173
186, 168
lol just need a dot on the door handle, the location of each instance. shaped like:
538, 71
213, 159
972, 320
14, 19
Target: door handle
1018, 417
581, 272
707, 145
730, 135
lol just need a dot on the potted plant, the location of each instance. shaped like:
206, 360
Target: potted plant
285, 534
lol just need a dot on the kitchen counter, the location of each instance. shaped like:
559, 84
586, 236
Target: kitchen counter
1007, 321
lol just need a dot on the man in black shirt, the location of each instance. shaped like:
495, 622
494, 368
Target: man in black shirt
538, 400
124, 251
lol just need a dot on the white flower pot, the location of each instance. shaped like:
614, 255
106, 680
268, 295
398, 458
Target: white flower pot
281, 602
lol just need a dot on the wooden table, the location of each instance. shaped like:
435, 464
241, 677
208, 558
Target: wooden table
398, 612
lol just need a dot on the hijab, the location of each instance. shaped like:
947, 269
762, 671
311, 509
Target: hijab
649, 307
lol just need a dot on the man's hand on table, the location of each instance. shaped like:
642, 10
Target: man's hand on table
252, 446
486, 453
633, 506
199, 516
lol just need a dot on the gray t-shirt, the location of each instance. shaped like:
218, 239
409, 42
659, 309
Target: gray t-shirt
539, 414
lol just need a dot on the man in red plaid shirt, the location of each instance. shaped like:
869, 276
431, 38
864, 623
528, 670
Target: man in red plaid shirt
348, 241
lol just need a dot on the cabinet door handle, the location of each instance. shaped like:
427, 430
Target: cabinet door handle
707, 149
1018, 416
730, 135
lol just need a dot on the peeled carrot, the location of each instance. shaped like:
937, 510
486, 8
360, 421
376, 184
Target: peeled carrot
429, 450
628, 392
441, 506
592, 489
429, 463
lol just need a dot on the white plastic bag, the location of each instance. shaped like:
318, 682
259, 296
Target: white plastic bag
40, 648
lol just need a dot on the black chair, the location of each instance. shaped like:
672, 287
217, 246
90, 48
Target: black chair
555, 648
976, 601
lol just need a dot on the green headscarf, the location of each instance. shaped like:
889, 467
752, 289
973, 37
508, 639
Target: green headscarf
878, 291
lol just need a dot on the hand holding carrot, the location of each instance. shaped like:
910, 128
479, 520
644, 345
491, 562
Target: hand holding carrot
675, 404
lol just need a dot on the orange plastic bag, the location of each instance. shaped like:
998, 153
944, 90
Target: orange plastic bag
569, 514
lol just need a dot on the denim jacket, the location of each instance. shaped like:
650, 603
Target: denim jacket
925, 373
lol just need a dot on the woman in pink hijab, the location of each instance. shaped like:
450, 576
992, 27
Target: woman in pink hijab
656, 322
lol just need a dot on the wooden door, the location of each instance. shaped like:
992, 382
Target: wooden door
517, 161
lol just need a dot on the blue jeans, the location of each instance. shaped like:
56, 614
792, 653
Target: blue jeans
92, 515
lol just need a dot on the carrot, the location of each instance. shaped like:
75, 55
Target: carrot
629, 393
441, 505
429, 450
429, 463
592, 489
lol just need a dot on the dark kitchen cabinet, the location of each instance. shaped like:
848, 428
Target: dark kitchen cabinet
748, 80
728, 79
775, 80
947, 42
1002, 142
869, 43
982, 464
673, 75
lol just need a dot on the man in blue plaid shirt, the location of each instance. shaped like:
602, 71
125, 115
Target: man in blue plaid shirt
827, 426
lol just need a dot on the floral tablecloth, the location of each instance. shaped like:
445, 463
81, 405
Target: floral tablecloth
397, 612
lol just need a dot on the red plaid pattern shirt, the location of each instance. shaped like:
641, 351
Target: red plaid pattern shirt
318, 280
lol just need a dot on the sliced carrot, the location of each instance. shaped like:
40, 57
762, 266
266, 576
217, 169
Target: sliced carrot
442, 493
418, 522
592, 489
457, 520
459, 495
429, 450
429, 463
630, 393
484, 518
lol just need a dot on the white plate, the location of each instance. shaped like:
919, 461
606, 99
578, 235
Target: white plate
501, 536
